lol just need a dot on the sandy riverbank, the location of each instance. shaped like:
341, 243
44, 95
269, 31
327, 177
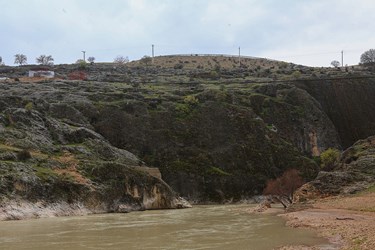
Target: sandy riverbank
347, 222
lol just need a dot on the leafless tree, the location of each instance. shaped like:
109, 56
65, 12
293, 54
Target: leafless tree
121, 59
20, 59
282, 188
1, 61
45, 60
335, 64
91, 59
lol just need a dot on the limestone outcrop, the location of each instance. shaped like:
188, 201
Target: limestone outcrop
353, 173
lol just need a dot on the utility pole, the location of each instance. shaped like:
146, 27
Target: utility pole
153, 46
84, 55
342, 58
239, 56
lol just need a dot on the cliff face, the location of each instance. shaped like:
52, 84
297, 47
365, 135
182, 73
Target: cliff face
348, 103
57, 163
298, 117
209, 143
212, 150
215, 136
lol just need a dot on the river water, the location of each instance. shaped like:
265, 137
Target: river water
201, 227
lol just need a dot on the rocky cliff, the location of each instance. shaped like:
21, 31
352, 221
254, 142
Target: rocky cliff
52, 162
354, 172
348, 103
216, 134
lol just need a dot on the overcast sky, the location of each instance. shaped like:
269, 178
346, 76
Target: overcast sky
308, 32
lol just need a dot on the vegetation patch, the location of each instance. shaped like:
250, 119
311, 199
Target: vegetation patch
329, 158
45, 174
218, 171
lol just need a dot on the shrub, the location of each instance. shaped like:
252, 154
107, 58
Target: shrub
178, 66
191, 100
185, 109
296, 74
282, 188
29, 106
329, 158
81, 64
23, 155
146, 60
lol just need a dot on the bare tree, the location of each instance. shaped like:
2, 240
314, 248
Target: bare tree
20, 59
91, 59
282, 188
1, 61
121, 60
45, 60
368, 57
335, 64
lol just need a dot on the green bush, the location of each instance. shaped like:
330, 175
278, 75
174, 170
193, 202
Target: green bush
296, 75
29, 106
191, 100
185, 109
329, 158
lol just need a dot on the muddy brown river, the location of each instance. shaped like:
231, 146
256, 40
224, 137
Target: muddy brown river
201, 227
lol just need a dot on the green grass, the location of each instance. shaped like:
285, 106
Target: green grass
4, 147
215, 170
45, 174
369, 190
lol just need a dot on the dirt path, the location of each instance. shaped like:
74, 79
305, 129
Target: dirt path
348, 222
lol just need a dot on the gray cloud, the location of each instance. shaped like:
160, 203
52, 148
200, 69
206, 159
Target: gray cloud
306, 32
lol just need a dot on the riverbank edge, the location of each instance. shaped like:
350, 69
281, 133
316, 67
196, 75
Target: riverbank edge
24, 210
346, 222
296, 220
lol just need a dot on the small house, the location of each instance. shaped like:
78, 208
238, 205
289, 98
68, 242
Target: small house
42, 73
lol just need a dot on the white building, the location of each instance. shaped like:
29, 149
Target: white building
42, 73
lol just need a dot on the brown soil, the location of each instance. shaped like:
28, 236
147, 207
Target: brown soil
348, 222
